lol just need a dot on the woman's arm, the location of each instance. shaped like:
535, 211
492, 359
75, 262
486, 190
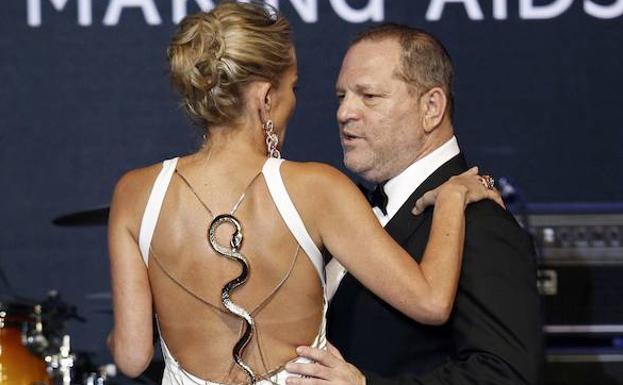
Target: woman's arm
130, 341
353, 235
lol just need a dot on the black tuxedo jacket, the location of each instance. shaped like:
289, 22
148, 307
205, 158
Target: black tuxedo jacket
493, 335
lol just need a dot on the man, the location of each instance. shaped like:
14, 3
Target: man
395, 117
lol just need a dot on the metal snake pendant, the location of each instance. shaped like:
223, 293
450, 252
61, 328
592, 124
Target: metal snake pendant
232, 253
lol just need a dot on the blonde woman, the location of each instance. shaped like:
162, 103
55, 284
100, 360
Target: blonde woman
224, 245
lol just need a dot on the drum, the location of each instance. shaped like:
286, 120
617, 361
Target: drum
18, 366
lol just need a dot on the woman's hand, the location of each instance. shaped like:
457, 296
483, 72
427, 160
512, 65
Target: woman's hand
471, 186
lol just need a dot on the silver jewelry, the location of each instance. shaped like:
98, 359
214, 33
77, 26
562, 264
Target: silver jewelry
233, 252
272, 140
488, 181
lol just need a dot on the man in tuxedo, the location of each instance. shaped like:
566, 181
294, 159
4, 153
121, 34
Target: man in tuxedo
395, 118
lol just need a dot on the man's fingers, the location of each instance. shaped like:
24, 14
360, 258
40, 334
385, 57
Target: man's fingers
321, 356
329, 368
333, 350
428, 199
417, 209
313, 370
293, 380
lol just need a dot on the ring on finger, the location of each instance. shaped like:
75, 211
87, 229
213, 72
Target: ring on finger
488, 181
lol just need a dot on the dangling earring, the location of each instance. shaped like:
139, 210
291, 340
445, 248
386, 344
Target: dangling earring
271, 139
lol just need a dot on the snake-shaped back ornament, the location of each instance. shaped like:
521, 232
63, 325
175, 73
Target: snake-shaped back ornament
232, 252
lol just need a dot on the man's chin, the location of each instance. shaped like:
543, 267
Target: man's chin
363, 169
352, 164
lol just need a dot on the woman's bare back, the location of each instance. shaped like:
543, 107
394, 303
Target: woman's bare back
283, 293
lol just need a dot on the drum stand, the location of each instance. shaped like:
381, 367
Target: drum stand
60, 364
34, 339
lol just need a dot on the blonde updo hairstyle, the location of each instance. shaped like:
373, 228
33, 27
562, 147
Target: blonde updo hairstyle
214, 55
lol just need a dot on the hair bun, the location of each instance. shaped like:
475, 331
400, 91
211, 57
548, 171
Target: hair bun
195, 51
213, 55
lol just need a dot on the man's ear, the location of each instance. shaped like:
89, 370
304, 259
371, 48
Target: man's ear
433, 104
265, 98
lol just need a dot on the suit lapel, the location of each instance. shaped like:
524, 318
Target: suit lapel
403, 224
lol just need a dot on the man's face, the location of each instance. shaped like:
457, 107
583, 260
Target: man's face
380, 121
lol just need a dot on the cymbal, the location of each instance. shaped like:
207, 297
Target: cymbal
92, 217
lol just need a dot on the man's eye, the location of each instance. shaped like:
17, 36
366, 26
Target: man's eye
340, 97
370, 96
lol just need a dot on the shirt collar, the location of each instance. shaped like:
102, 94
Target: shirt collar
400, 187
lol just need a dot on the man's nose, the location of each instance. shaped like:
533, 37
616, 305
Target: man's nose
347, 110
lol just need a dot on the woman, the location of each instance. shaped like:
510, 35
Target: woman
226, 243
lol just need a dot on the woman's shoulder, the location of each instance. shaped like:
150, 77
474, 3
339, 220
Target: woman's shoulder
312, 172
316, 177
132, 191
138, 179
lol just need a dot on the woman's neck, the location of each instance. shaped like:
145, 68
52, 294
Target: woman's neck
233, 143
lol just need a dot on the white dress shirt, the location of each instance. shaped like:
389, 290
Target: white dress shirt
398, 190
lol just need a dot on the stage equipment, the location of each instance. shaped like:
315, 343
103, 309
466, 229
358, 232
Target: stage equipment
580, 278
19, 322
34, 348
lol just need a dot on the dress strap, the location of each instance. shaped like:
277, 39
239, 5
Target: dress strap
290, 215
154, 204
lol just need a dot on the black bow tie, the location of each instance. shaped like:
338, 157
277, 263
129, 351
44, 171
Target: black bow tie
378, 198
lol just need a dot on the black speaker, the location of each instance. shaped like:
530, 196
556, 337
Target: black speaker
580, 278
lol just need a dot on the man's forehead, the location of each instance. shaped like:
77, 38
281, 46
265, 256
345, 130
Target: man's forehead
389, 48
368, 73
360, 80
372, 56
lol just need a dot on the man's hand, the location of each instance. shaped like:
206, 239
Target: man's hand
328, 368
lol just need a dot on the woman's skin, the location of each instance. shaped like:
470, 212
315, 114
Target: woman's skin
345, 225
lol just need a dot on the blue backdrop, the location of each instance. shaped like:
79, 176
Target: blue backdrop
84, 96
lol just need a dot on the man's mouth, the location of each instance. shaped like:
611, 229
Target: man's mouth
348, 137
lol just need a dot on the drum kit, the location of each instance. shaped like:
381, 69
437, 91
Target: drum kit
35, 349
34, 346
